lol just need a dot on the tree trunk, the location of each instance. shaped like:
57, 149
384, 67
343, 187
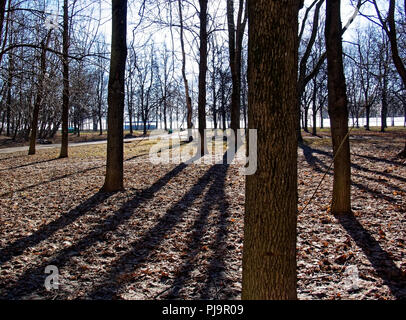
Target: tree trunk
235, 38
202, 75
65, 93
269, 259
397, 60
337, 107
213, 86
303, 79
384, 111
321, 117
40, 95
3, 39
8, 100
115, 118
367, 115
185, 81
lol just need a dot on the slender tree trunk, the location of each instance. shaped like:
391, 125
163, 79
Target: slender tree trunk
314, 128
65, 93
9, 82
337, 106
213, 87
202, 75
235, 38
185, 81
3, 38
40, 95
367, 115
306, 118
101, 123
303, 79
384, 111
269, 258
114, 169
8, 100
321, 118
4, 118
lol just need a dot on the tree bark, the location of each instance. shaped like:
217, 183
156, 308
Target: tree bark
314, 107
65, 93
115, 118
269, 259
337, 108
9, 85
202, 75
400, 67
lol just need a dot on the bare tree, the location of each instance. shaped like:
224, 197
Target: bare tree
235, 39
202, 74
185, 80
65, 94
337, 108
116, 97
40, 94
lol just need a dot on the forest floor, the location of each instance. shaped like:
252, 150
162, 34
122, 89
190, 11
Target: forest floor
177, 230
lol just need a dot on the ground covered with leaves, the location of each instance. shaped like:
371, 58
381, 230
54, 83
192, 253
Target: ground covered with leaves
176, 232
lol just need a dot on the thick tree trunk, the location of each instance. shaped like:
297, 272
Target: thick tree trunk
65, 93
202, 75
337, 107
269, 259
397, 60
114, 169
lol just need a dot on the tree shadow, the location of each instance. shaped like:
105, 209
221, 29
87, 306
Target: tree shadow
143, 248
319, 166
216, 269
32, 279
13, 157
308, 153
68, 175
29, 164
19, 246
214, 197
376, 159
380, 260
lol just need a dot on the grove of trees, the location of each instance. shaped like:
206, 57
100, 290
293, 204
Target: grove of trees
274, 66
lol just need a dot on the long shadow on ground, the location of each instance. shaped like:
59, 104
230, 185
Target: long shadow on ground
380, 260
143, 248
32, 280
214, 198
